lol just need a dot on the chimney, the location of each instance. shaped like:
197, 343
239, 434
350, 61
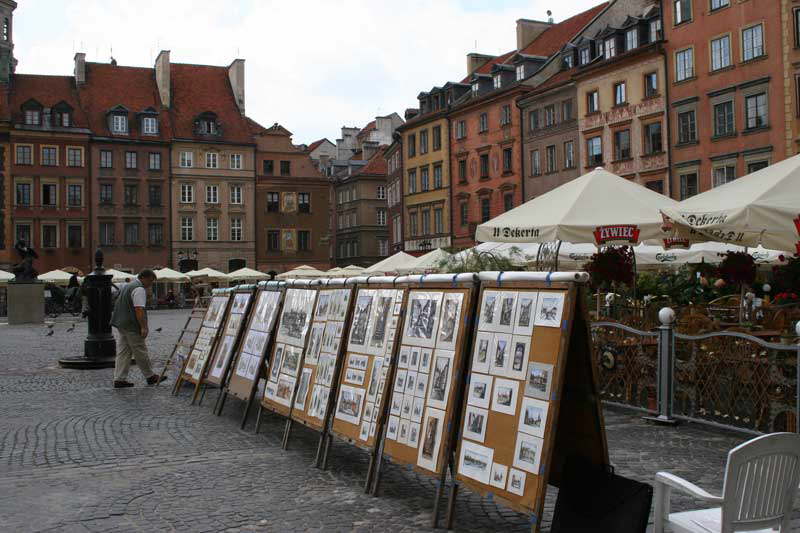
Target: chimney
369, 149
80, 69
162, 69
236, 76
476, 61
528, 30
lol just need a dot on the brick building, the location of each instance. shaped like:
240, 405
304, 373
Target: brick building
291, 204
394, 194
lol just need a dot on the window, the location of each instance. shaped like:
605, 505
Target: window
593, 101
682, 11
23, 194
497, 81
426, 222
119, 124
594, 151
273, 240
687, 127
212, 160
756, 110
631, 39
304, 202
717, 4
424, 179
723, 175
755, 166
412, 224
550, 158
797, 27
508, 202
155, 234
462, 170
533, 120
304, 240
150, 126
437, 138
131, 233
380, 216
723, 119
688, 185
721, 52
24, 155
652, 138
622, 144
549, 116
49, 156
383, 247
483, 123
650, 85
49, 195
656, 186
236, 229
412, 181
49, 236
32, 117
412, 145
74, 236
569, 154
269, 167
423, 142
273, 202
130, 160
74, 157
62, 118
485, 210
187, 193
187, 229
131, 194
484, 160
236, 194
23, 233
154, 161
463, 213
505, 115
187, 159
655, 30
437, 176
611, 48
508, 160
566, 110
212, 194
236, 161
106, 193
684, 64
286, 168
568, 61
461, 129
154, 195
583, 56
107, 231
753, 42
520, 72
619, 93
438, 221
536, 167
74, 195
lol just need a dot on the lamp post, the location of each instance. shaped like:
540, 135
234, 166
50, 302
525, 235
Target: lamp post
99, 348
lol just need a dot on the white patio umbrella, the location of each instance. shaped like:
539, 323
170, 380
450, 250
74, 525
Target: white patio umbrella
390, 265
119, 276
303, 271
762, 208
5, 277
335, 272
247, 274
427, 263
59, 277
598, 207
208, 273
167, 275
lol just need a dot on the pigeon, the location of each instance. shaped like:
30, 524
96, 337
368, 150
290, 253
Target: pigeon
71, 328
50, 326
158, 330
49, 333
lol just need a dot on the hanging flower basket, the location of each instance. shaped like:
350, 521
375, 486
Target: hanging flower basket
612, 265
738, 268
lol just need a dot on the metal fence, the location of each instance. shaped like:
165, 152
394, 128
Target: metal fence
725, 378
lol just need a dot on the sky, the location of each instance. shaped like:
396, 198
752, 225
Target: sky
312, 66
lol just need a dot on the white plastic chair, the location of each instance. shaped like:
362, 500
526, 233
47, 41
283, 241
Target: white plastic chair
758, 493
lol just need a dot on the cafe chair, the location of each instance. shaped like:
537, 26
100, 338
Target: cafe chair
761, 480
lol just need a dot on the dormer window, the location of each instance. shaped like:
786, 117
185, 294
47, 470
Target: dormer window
631, 39
655, 30
475, 88
5, 29
119, 124
62, 115
568, 61
585, 56
33, 117
150, 125
611, 48
63, 120
520, 72
207, 127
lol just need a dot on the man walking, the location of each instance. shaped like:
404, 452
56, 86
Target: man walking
130, 319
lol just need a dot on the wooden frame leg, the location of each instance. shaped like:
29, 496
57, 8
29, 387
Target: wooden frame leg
286, 431
202, 394
246, 412
223, 395
327, 451
451, 505
258, 419
374, 458
320, 447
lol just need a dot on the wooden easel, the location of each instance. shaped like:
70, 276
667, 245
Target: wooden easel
187, 337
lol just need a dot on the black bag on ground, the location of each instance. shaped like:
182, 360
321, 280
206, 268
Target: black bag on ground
593, 499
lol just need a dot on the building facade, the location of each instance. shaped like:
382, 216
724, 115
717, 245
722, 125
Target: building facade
292, 210
394, 194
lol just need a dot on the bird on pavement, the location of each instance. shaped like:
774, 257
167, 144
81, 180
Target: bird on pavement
71, 328
158, 330
50, 326
49, 333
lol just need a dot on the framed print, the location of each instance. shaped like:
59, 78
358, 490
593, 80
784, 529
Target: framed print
528, 453
239, 303
504, 397
413, 434
507, 303
439, 386
296, 316
270, 390
400, 381
396, 407
408, 405
223, 353
391, 428
523, 317
266, 307
475, 420
355, 377
361, 315
537, 382
417, 407
516, 482
450, 321
533, 417
291, 360
413, 358
302, 389
476, 461
423, 318
498, 478
403, 356
518, 361
325, 369
277, 362
358, 362
374, 378
549, 309
421, 390
284, 390
428, 454
488, 310
215, 312
289, 240
232, 326
348, 406
480, 390
425, 358
411, 382
481, 354
402, 432
323, 304
255, 342
313, 408
364, 433
378, 334
501, 359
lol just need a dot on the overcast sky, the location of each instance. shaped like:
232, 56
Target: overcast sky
312, 66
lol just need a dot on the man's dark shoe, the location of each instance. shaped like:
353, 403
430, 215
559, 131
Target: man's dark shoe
152, 380
122, 384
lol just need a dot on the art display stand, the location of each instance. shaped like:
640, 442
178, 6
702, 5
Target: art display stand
206, 342
187, 336
531, 400
247, 366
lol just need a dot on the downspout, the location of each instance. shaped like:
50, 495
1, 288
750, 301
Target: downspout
666, 106
521, 148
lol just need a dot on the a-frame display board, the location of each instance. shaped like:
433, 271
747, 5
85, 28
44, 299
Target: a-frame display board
232, 331
206, 340
248, 364
187, 336
532, 398
425, 396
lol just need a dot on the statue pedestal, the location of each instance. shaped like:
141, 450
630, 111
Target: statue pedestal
25, 303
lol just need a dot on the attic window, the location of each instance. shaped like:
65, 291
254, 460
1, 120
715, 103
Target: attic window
5, 29
474, 88
631, 39
568, 61
498, 81
63, 119
119, 124
520, 72
611, 48
33, 117
585, 56
150, 125
207, 127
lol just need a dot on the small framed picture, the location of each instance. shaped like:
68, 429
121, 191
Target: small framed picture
476, 461
400, 381
439, 388
518, 357
488, 311
392, 427
422, 385
528, 453
450, 321
411, 382
402, 357
504, 397
498, 476
538, 379
481, 355
480, 390
407, 406
526, 307
533, 416
505, 315
417, 407
414, 358
516, 482
500, 357
425, 358
549, 309
413, 434
475, 420
402, 432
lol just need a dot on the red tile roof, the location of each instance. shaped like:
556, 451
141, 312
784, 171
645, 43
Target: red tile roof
377, 164
200, 88
486, 68
316, 144
366, 129
48, 91
108, 86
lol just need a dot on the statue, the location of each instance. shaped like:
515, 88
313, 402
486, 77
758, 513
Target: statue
24, 271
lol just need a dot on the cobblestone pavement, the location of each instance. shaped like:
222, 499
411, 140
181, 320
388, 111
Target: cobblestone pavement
77, 455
